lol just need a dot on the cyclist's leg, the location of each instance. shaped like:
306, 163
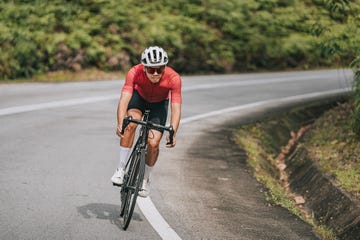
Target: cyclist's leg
158, 114
151, 157
126, 143
153, 147
135, 109
129, 133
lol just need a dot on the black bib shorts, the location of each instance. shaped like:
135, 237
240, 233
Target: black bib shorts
158, 110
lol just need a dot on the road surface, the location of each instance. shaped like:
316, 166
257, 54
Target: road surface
59, 149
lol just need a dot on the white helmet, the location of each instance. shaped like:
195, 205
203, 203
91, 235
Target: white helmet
154, 57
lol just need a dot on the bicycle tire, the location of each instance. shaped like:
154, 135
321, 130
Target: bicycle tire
135, 182
123, 191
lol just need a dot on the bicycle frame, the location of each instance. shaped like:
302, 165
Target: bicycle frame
141, 142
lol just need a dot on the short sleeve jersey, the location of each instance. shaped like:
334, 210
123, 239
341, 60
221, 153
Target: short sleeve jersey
169, 85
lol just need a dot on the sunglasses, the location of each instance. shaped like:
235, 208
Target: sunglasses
152, 70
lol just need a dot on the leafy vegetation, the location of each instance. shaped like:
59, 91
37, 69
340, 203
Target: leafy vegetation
344, 11
200, 36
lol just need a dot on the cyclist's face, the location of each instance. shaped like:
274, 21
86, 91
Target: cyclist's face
154, 74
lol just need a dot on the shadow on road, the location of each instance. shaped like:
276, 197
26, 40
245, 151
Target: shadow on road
105, 211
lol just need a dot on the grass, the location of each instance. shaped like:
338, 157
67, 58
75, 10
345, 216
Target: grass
335, 147
277, 194
330, 141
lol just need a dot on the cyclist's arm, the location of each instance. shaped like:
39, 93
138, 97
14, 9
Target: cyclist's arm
122, 108
176, 100
174, 121
126, 94
175, 116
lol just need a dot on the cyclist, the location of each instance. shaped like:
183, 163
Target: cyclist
148, 85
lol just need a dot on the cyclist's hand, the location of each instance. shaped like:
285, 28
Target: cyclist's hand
173, 143
118, 131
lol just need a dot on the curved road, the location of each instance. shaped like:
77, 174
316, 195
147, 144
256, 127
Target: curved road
58, 151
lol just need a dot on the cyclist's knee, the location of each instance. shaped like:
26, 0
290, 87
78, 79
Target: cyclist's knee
132, 127
153, 144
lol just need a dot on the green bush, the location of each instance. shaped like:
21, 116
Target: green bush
343, 41
200, 36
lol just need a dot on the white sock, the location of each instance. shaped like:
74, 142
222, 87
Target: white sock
147, 173
123, 157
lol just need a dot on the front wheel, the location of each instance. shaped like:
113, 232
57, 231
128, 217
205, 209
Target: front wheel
132, 188
124, 188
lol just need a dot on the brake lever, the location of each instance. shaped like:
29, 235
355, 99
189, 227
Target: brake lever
125, 123
171, 136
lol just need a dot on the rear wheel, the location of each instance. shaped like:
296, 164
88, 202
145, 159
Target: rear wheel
131, 190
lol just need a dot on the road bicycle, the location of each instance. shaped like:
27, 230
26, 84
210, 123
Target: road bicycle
135, 166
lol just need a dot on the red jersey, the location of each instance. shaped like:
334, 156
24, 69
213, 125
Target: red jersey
169, 85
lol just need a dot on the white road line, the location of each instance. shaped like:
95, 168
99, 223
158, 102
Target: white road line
153, 216
55, 104
261, 103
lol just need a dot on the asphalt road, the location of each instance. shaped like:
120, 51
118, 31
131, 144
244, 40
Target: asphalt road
59, 149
